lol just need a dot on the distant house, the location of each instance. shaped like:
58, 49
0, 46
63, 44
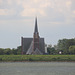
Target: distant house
35, 45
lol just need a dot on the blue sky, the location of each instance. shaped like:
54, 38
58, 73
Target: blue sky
56, 20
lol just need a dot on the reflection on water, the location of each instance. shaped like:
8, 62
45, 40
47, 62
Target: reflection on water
37, 68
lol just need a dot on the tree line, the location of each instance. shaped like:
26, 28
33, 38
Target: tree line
64, 46
8, 51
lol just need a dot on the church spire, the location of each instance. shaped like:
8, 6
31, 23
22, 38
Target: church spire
36, 27
36, 37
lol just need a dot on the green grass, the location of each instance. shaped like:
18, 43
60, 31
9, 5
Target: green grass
6, 58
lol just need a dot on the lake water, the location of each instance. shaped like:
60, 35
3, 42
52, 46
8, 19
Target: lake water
37, 68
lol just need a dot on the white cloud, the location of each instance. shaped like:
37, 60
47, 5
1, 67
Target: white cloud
45, 4
74, 12
32, 7
1, 1
32, 12
9, 2
47, 8
3, 11
18, 1
28, 12
73, 15
56, 23
36, 1
35, 7
6, 12
68, 3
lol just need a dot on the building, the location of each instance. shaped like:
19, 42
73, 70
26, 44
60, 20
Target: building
35, 45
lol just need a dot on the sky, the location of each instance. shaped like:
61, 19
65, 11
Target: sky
56, 20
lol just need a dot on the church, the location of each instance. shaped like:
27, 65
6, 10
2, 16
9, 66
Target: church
35, 45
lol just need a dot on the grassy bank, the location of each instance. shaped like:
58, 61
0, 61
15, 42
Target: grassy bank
14, 58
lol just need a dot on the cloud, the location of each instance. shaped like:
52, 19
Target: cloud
1, 1
9, 2
73, 15
37, 6
54, 9
34, 7
55, 23
68, 3
6, 12
74, 12
32, 12
3, 11
28, 12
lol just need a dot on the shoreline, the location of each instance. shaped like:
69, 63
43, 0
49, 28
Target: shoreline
37, 58
35, 61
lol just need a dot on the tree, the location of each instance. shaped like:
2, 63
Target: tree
55, 47
72, 49
7, 51
64, 44
50, 46
19, 50
1, 51
14, 51
51, 50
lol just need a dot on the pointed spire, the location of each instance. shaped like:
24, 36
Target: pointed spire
36, 27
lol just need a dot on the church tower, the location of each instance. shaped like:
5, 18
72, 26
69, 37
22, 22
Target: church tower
36, 37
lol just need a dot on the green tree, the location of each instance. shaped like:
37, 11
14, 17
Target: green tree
19, 50
55, 46
72, 49
64, 44
51, 50
7, 51
1, 51
14, 51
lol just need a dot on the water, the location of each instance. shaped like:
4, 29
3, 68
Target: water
37, 68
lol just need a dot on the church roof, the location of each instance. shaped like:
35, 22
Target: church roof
37, 52
27, 45
30, 50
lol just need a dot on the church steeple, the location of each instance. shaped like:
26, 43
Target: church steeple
36, 27
36, 37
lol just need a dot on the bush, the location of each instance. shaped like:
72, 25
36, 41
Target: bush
37, 57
